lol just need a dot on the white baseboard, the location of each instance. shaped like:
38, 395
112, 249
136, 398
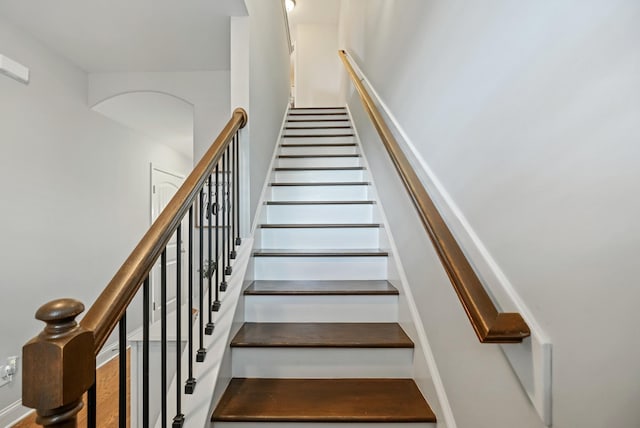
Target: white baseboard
265, 186
13, 414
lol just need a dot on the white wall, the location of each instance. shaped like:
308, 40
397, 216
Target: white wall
351, 25
74, 188
268, 86
529, 116
317, 66
240, 93
207, 91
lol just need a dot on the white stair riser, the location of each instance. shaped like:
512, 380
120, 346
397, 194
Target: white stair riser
318, 176
318, 162
324, 425
318, 116
302, 121
338, 213
322, 362
320, 130
320, 193
320, 268
339, 308
321, 238
317, 150
315, 140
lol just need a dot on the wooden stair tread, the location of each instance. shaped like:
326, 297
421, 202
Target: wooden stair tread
317, 135
318, 127
319, 145
320, 202
318, 225
320, 253
321, 168
318, 108
323, 400
321, 183
350, 155
320, 287
317, 120
322, 335
342, 113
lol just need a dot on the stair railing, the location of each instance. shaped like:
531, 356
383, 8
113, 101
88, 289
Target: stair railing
490, 325
59, 365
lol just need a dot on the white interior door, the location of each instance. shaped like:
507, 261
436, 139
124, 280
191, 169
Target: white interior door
164, 185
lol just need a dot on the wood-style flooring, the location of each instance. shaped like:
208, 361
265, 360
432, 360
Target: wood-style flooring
323, 400
107, 396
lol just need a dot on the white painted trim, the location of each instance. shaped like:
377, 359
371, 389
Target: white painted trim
287, 27
152, 168
494, 278
13, 413
265, 186
152, 276
423, 341
166, 171
14, 69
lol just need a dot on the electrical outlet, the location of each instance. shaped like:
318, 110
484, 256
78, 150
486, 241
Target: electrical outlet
8, 371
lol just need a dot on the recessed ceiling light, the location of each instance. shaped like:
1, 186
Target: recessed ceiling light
289, 4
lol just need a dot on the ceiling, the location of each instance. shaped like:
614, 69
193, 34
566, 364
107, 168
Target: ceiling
319, 12
315, 12
131, 35
165, 119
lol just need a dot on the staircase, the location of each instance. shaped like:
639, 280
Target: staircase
321, 343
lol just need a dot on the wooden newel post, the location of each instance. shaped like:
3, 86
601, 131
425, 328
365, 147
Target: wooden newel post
58, 365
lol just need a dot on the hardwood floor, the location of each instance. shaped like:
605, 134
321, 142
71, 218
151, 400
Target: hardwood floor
107, 394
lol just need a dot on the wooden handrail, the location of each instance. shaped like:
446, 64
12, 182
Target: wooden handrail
490, 325
287, 27
111, 305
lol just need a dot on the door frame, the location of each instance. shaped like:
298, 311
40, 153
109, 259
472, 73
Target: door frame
152, 185
180, 177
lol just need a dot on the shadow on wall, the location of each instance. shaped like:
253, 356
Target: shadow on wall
165, 118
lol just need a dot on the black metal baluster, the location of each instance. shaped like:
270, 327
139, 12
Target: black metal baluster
178, 419
202, 353
92, 407
222, 236
146, 321
212, 263
232, 208
227, 209
190, 385
122, 372
163, 336
216, 303
237, 188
